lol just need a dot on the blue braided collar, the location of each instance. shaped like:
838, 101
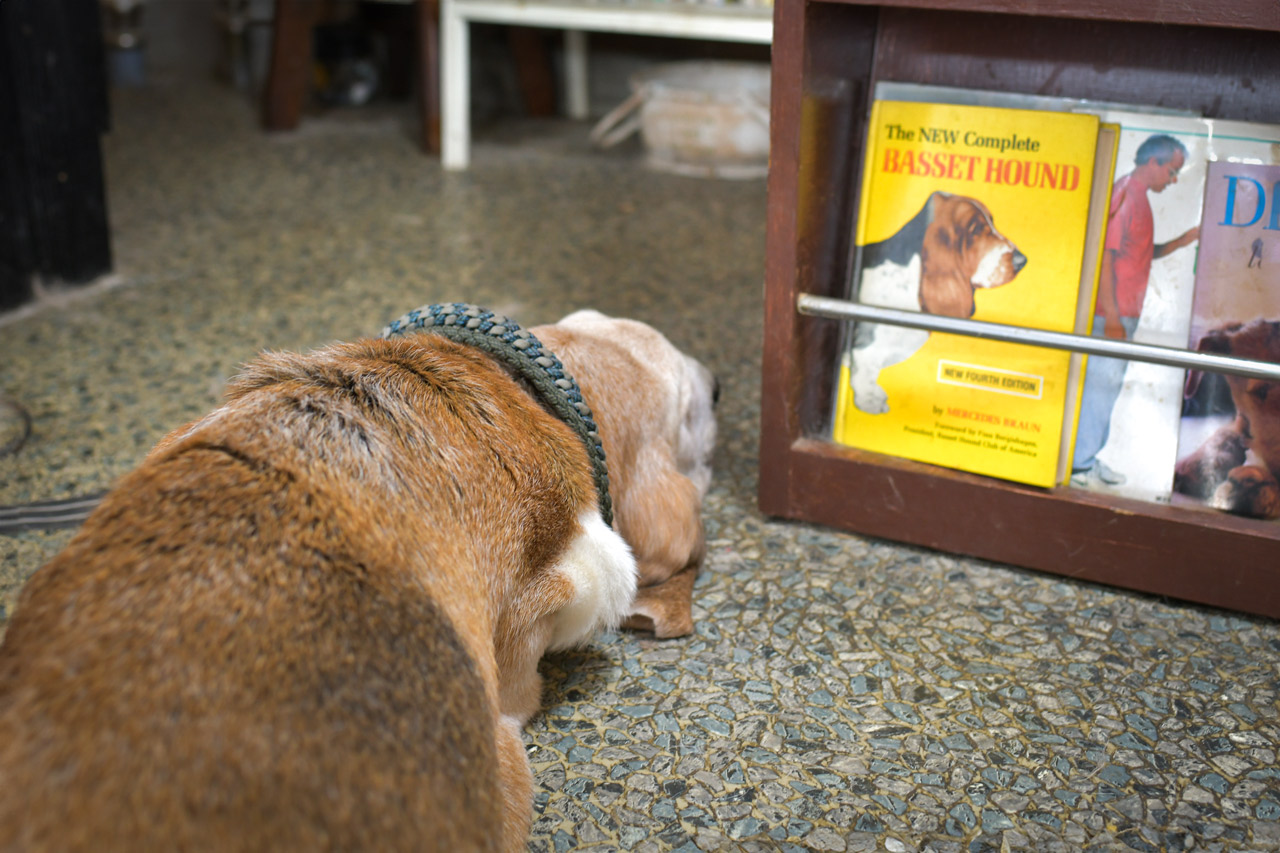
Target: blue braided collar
525, 354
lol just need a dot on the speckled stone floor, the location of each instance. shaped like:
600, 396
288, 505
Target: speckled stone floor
840, 693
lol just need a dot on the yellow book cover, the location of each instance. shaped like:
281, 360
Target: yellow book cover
971, 212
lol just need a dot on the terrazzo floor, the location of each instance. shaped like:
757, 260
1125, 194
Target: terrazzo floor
840, 693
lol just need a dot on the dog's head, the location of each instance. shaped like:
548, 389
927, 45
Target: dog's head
1257, 401
653, 405
962, 251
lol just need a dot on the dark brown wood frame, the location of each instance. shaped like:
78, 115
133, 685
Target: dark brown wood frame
1221, 59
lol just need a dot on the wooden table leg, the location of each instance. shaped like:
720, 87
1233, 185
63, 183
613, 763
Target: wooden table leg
288, 79
429, 73
533, 70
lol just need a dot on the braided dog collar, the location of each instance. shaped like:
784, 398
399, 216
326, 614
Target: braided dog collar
525, 354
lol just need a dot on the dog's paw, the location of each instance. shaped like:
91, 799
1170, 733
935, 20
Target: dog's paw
665, 608
1249, 490
872, 400
1200, 473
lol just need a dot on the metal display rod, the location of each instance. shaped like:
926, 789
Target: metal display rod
840, 309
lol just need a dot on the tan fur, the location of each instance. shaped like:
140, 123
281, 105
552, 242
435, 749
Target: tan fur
1214, 471
657, 503
957, 238
312, 619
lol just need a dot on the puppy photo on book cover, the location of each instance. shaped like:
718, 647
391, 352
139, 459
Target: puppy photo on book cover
1229, 440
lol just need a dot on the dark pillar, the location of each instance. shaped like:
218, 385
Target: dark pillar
53, 111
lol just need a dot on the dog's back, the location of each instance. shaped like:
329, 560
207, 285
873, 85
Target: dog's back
162, 723
245, 646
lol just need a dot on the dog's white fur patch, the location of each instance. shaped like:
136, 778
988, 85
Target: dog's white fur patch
988, 273
603, 572
887, 285
890, 285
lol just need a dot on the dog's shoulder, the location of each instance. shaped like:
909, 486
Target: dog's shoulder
385, 379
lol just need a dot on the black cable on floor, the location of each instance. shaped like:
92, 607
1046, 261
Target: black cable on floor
47, 515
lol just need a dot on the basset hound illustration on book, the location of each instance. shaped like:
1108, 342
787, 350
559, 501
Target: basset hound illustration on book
934, 264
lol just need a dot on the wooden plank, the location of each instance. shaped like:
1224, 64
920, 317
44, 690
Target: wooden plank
289, 75
1236, 74
778, 398
1192, 554
1239, 14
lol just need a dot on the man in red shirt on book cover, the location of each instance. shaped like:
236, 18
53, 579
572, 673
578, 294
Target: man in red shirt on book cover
1127, 254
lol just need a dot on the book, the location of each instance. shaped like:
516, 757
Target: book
1229, 434
1104, 169
1126, 437
1134, 462
974, 212
1141, 438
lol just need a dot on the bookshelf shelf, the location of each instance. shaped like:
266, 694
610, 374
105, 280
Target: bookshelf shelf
1222, 60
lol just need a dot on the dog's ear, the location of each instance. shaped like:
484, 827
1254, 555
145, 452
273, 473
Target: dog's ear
662, 521
936, 199
1191, 384
945, 287
1218, 340
946, 291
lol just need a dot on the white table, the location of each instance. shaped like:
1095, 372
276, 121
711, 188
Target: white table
675, 18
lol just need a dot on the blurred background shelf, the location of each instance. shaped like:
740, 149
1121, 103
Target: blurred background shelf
734, 23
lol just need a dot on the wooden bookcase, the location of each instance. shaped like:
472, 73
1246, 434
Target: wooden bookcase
1221, 59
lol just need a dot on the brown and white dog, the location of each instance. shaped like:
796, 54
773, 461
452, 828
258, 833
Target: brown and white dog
1218, 471
934, 264
313, 618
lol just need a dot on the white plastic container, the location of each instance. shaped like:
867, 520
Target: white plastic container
705, 119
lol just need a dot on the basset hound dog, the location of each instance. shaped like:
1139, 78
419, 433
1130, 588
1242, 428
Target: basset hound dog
1237, 468
312, 619
934, 264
